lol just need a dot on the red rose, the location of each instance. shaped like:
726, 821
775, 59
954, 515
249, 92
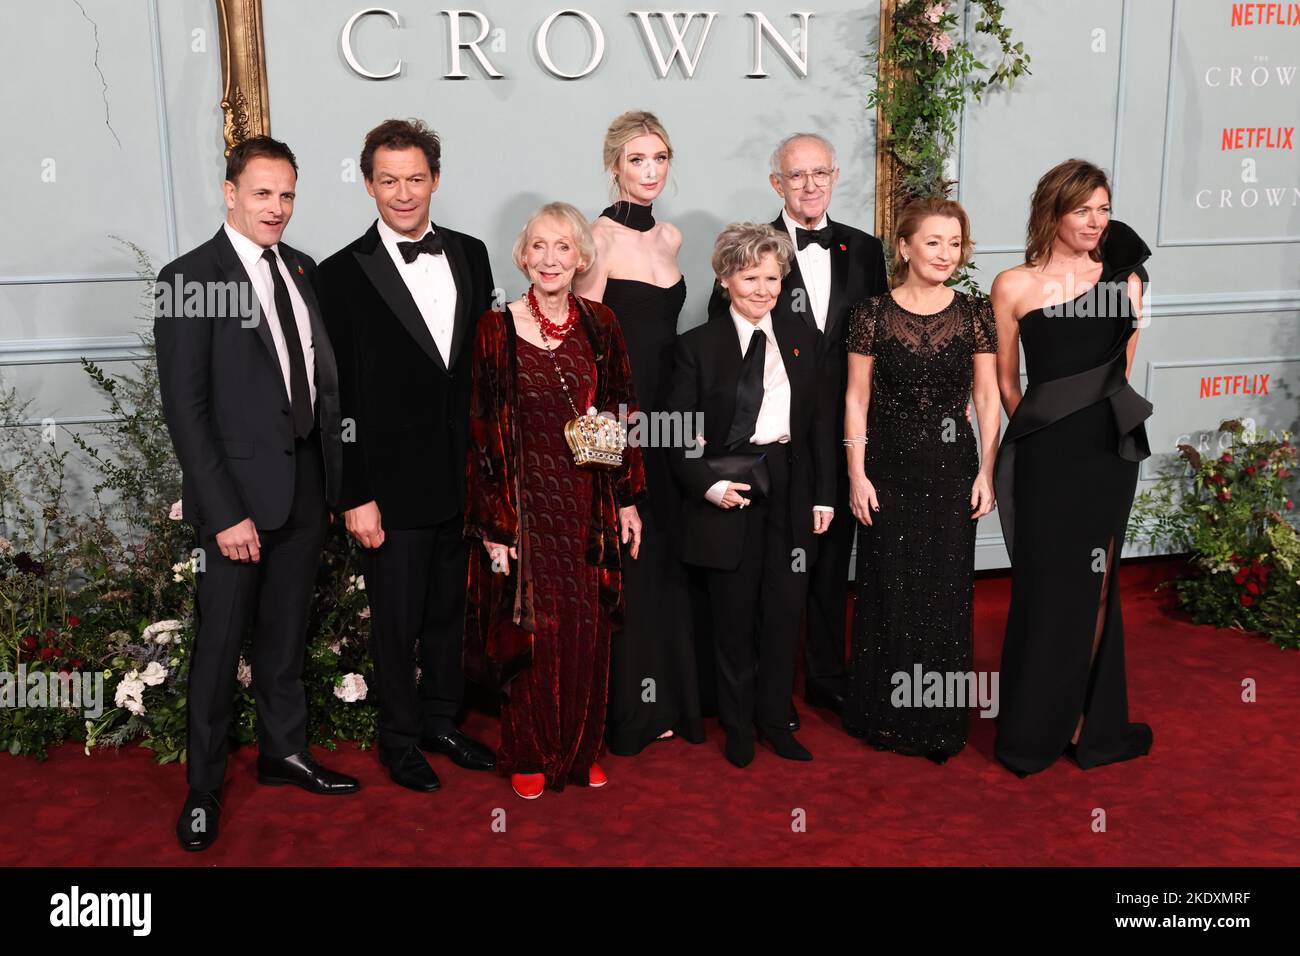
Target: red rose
47, 653
1227, 456
73, 621
1240, 576
1289, 504
76, 663
56, 652
1237, 559
1247, 600
1250, 469
30, 642
1252, 588
50, 632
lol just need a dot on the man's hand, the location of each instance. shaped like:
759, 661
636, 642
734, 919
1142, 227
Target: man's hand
240, 542
629, 522
821, 520
364, 524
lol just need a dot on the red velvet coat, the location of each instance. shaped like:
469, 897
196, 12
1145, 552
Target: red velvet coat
499, 621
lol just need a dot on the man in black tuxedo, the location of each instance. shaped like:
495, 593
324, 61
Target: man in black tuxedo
250, 393
402, 304
835, 267
758, 381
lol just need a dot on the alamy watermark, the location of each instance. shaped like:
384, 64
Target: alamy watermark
76, 690
922, 688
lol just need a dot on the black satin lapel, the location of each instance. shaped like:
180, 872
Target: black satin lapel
233, 267
379, 268
840, 262
455, 254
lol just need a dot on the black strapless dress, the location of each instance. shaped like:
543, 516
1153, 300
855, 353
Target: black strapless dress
1066, 473
656, 643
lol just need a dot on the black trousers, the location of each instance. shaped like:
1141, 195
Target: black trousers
757, 609
828, 590
416, 582
271, 599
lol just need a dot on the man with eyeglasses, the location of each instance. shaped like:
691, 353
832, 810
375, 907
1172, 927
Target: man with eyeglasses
836, 266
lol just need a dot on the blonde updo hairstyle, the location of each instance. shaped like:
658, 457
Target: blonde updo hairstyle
625, 128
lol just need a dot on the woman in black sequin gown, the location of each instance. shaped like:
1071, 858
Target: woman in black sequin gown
914, 355
653, 684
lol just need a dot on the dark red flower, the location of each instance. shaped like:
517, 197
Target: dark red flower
1227, 456
77, 662
47, 653
51, 633
1250, 469
58, 652
1284, 473
30, 642
1240, 576
64, 670
73, 621
1247, 600
1289, 504
1252, 588
1225, 495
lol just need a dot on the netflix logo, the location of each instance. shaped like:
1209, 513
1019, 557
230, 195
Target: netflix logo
1266, 14
1258, 137
1215, 385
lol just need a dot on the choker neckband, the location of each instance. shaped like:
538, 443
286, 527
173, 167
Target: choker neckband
630, 214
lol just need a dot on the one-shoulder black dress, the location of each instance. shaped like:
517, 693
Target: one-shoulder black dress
654, 684
1066, 473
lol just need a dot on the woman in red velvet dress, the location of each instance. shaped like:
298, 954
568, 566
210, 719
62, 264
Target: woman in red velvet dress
545, 589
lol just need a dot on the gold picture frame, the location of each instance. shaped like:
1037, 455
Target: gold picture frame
245, 103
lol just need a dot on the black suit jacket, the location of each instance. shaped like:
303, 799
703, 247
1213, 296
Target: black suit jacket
857, 272
706, 369
408, 409
224, 395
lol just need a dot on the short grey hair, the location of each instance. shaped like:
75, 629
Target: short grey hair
779, 153
742, 245
569, 215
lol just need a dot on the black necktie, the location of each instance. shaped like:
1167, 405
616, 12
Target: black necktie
299, 394
820, 236
430, 243
749, 391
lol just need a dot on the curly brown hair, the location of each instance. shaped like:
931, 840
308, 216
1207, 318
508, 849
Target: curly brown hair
401, 134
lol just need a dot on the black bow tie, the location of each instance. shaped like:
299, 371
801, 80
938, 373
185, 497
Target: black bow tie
430, 243
820, 236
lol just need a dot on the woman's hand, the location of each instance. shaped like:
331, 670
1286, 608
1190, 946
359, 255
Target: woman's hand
862, 498
498, 554
629, 522
981, 496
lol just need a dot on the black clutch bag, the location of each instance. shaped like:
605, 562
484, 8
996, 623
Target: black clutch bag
750, 469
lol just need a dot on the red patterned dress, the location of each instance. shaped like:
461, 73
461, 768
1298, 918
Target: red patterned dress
554, 720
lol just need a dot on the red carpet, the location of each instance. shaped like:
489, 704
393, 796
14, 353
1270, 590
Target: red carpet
1219, 788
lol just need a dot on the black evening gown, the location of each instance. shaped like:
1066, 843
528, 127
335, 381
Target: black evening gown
915, 563
1066, 473
656, 642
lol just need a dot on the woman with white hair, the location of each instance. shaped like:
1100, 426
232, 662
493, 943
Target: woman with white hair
552, 493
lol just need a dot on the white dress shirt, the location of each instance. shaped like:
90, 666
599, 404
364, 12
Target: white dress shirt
432, 287
259, 271
773, 423
815, 268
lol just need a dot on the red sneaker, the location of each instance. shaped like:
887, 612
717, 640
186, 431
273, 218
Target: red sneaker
596, 777
528, 785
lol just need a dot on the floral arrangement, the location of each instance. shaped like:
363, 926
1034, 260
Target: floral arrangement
924, 78
100, 580
1234, 512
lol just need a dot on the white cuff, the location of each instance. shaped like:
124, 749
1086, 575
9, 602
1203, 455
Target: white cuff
824, 508
715, 493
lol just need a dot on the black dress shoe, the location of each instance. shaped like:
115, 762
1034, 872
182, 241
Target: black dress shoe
463, 750
828, 694
786, 746
197, 826
409, 769
794, 718
740, 748
302, 770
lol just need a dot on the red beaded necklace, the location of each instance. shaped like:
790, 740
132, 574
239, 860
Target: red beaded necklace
549, 328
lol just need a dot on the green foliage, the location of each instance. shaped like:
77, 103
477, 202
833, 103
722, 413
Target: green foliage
1234, 513
925, 77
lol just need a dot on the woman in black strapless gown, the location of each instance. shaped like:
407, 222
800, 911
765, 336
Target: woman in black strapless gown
1066, 473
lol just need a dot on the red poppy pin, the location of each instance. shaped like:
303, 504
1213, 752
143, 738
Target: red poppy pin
843, 247
301, 272
796, 353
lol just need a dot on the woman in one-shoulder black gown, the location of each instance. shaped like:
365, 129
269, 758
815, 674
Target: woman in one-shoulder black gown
1066, 474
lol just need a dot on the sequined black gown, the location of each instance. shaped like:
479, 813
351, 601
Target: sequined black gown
915, 563
656, 642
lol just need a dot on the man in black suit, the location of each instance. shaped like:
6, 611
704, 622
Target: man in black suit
250, 394
402, 304
758, 381
835, 267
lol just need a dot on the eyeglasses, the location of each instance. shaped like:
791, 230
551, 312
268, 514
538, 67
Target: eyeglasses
820, 177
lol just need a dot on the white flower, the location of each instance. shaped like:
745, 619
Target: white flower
337, 647
6, 546
244, 673
161, 632
154, 674
941, 43
176, 514
364, 613
129, 693
351, 689
356, 582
